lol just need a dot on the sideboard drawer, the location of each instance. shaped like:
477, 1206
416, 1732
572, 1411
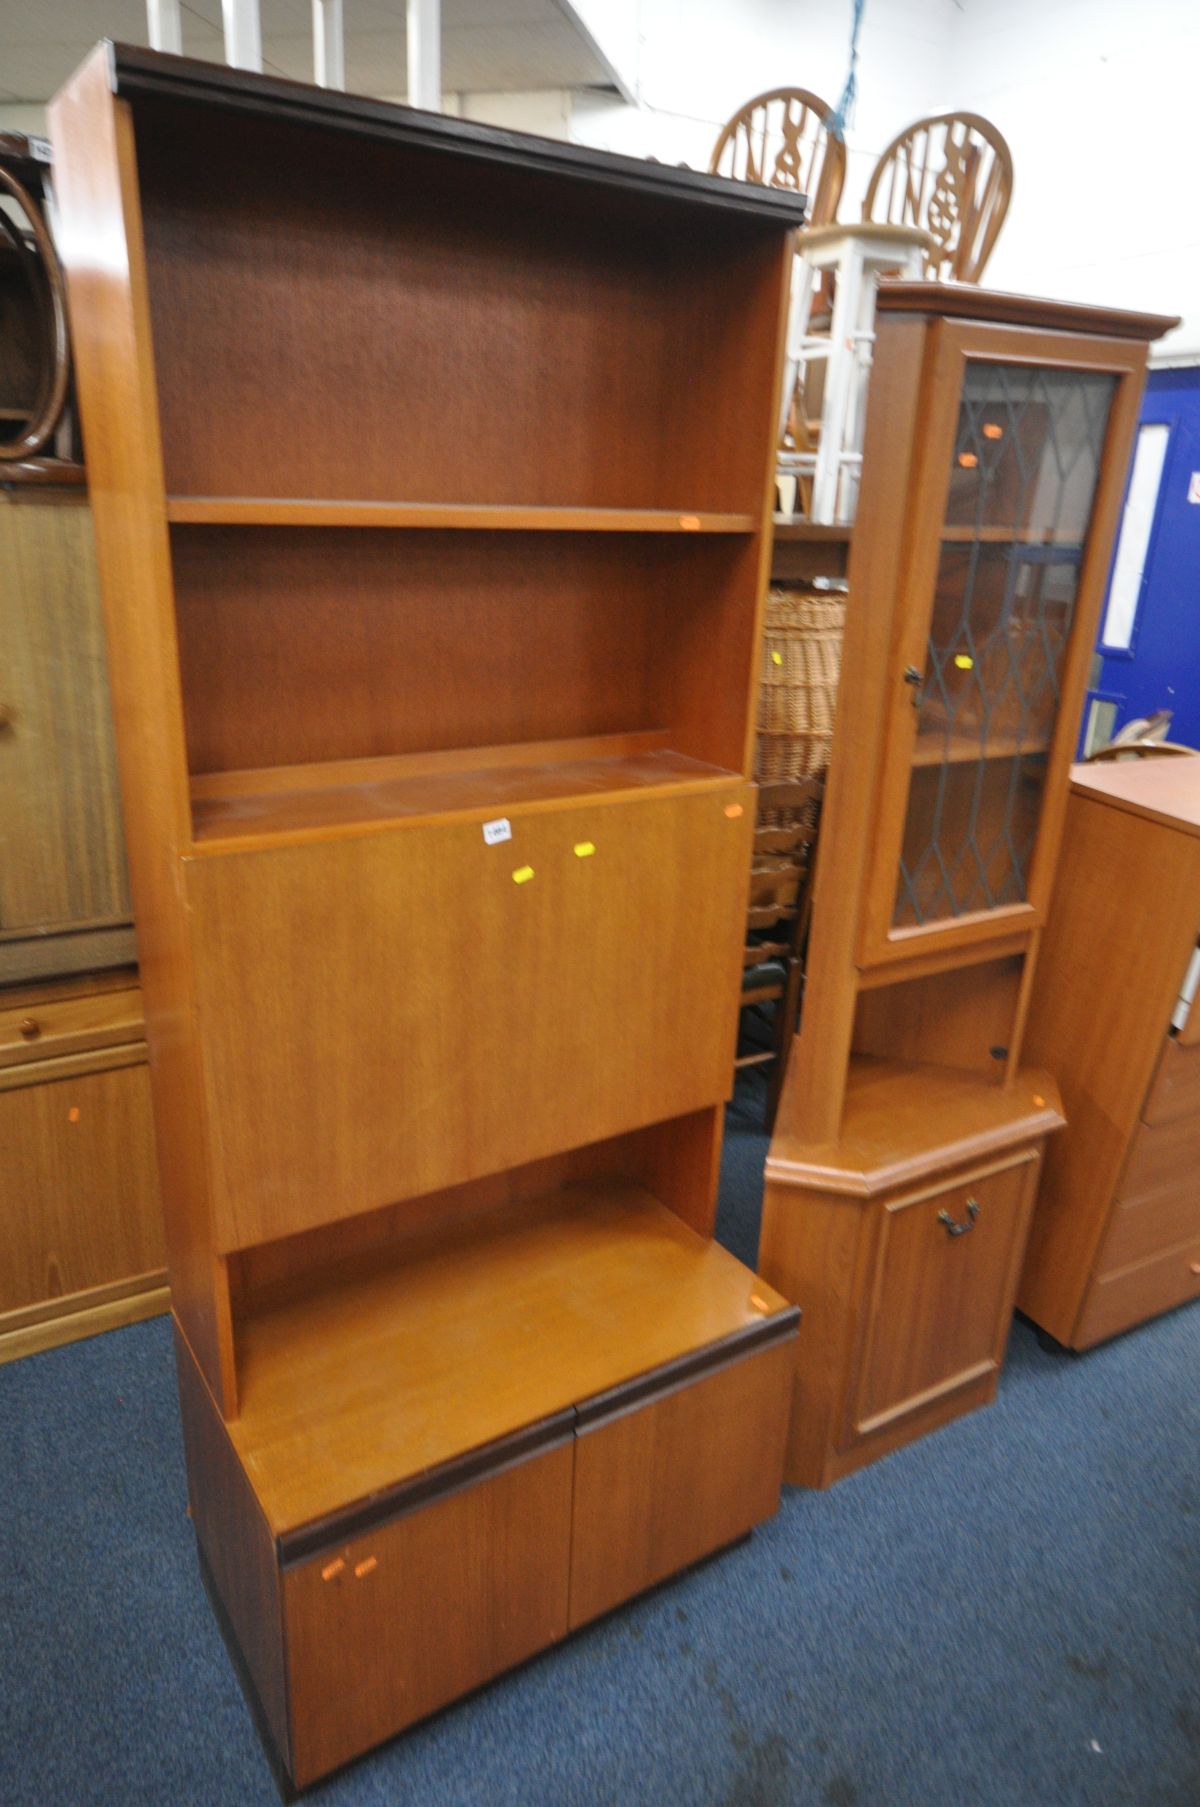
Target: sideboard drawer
1159, 1155
1175, 1089
1144, 1226
70, 1025
1116, 1301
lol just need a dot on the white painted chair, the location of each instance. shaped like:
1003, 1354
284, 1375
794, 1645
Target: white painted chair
856, 254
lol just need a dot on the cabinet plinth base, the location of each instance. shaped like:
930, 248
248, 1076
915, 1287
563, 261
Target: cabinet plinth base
904, 1259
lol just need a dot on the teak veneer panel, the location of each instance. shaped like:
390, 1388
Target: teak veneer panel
395, 1623
602, 992
401, 1360
658, 1487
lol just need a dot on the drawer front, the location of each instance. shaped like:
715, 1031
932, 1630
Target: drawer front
1148, 1225
1175, 1091
78, 1185
70, 1026
665, 1483
397, 1622
940, 1301
1158, 1155
1118, 1301
390, 1014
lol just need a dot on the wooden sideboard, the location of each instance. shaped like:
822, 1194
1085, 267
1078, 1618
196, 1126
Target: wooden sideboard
1116, 1232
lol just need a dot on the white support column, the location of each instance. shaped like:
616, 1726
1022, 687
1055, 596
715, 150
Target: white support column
425, 54
165, 25
243, 34
329, 44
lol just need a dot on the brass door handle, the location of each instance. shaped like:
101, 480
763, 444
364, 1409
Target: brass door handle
953, 1227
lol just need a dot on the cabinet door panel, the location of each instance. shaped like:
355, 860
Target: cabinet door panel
1175, 1089
943, 1292
387, 1015
390, 1626
78, 1185
666, 1483
1012, 505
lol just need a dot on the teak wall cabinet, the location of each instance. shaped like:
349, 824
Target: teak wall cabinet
431, 469
1116, 1232
906, 1155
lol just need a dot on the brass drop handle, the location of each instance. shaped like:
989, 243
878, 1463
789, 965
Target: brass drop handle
1196, 1269
954, 1228
29, 1028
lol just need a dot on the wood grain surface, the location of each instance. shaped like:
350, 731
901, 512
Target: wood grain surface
480, 1328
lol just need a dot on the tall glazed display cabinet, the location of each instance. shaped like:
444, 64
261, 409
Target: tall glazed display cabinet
905, 1161
432, 597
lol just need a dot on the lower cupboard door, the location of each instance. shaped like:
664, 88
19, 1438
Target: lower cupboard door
402, 1619
940, 1291
661, 1484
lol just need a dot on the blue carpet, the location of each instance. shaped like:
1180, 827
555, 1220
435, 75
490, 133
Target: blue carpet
1008, 1612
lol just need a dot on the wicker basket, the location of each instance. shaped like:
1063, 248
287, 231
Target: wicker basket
801, 659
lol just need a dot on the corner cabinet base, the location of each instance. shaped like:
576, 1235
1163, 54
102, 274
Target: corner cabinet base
905, 1272
350, 1627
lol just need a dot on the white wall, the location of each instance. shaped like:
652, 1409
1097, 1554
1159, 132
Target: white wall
1098, 99
701, 59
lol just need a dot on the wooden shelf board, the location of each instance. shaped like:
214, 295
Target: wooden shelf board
1009, 536
349, 796
385, 1366
902, 1122
959, 749
268, 511
796, 528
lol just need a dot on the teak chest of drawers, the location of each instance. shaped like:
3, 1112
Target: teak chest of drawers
432, 601
1116, 1234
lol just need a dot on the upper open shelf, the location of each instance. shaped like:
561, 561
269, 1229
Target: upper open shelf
269, 511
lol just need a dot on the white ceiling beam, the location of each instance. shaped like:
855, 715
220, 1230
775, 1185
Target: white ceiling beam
243, 34
329, 44
165, 25
425, 54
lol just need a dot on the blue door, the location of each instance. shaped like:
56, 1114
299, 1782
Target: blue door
1148, 654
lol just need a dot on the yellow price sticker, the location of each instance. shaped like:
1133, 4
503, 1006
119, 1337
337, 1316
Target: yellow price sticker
584, 849
522, 875
777, 658
964, 661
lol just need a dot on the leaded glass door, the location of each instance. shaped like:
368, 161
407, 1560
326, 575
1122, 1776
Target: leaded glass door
993, 597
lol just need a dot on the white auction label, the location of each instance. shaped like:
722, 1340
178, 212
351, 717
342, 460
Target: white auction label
497, 831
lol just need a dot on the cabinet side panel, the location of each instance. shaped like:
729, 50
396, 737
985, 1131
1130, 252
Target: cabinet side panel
96, 187
1121, 925
236, 1544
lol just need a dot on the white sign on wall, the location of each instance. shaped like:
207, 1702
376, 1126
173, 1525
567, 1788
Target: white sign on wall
1194, 487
